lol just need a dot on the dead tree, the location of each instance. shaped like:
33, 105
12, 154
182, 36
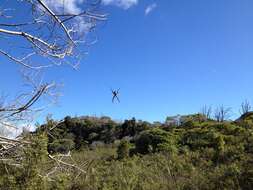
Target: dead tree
222, 113
206, 111
52, 33
245, 107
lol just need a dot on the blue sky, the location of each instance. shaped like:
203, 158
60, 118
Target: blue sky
167, 57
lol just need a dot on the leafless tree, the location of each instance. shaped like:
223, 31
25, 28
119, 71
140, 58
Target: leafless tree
51, 33
222, 113
245, 107
206, 111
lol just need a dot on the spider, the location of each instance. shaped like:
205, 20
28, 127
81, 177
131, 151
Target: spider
115, 94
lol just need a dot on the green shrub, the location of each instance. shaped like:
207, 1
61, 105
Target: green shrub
123, 149
61, 145
155, 140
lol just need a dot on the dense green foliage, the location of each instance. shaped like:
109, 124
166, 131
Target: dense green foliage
123, 149
136, 155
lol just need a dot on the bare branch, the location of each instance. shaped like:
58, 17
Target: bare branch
65, 163
45, 37
245, 107
57, 19
206, 111
49, 33
221, 113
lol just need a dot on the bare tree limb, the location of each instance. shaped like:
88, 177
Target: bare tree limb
245, 107
222, 113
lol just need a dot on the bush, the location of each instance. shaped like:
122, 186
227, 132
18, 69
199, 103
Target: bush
61, 145
155, 140
123, 149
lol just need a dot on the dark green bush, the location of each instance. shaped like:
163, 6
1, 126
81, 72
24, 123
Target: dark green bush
123, 149
155, 140
61, 145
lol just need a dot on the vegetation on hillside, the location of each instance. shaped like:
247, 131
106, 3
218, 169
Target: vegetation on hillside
195, 153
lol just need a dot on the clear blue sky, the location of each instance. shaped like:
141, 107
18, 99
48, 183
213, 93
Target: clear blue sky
180, 56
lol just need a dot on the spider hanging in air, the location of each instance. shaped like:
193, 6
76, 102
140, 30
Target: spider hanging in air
115, 94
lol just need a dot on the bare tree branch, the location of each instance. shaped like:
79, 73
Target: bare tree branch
206, 111
50, 33
221, 113
245, 107
46, 36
